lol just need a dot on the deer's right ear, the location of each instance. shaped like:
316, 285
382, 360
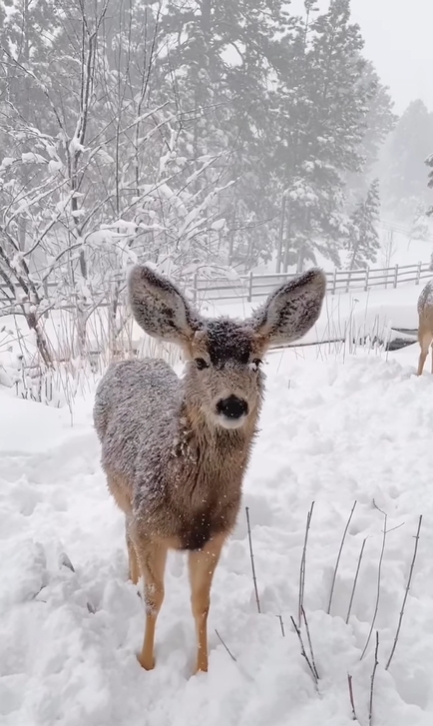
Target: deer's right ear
291, 310
159, 307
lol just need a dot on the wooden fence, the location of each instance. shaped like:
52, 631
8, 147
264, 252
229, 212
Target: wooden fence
251, 287
247, 288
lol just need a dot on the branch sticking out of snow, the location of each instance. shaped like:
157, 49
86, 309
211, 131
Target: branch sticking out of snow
338, 558
379, 573
253, 569
225, 646
400, 620
351, 697
303, 565
304, 654
355, 581
310, 645
373, 675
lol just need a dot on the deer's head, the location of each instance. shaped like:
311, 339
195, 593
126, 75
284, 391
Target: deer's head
224, 355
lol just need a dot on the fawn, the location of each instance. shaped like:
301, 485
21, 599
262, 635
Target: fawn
425, 327
175, 450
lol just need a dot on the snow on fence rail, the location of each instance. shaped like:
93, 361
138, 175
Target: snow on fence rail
251, 287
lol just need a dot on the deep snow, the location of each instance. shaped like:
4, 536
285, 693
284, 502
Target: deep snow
333, 430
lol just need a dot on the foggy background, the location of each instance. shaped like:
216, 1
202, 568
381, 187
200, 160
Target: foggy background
210, 138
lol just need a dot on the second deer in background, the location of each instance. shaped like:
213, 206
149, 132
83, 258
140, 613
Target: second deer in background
425, 327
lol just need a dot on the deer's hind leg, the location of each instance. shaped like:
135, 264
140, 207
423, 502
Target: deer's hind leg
134, 567
202, 565
151, 562
424, 341
122, 494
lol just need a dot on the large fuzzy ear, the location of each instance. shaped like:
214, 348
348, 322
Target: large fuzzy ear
292, 309
159, 307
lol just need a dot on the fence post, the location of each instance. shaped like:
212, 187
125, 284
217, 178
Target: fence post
250, 287
195, 286
395, 275
349, 280
334, 281
418, 274
367, 272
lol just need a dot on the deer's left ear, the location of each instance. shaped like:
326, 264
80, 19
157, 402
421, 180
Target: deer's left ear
159, 307
291, 310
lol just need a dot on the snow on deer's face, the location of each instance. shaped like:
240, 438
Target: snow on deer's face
224, 374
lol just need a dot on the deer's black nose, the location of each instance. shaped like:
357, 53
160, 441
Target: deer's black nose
232, 407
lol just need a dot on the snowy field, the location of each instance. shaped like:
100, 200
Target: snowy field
335, 428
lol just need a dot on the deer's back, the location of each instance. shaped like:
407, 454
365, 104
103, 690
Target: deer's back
425, 310
135, 415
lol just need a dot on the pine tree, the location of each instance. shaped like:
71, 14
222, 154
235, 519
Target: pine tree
420, 228
402, 170
429, 162
219, 65
363, 235
379, 122
324, 103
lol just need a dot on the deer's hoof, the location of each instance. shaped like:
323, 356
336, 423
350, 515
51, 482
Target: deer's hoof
147, 663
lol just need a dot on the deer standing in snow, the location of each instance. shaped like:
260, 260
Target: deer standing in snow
175, 451
425, 327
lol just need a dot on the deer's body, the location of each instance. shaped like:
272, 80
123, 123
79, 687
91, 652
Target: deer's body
175, 451
183, 477
425, 327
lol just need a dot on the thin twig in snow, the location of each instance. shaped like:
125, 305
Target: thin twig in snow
303, 563
250, 540
283, 632
225, 646
376, 663
405, 594
338, 557
303, 652
310, 645
64, 561
379, 572
355, 581
352, 700
397, 526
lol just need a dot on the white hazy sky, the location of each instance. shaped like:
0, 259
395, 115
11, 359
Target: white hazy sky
398, 38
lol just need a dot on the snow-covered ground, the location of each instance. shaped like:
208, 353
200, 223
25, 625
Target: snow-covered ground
334, 429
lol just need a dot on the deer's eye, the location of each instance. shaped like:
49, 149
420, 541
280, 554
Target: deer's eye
201, 363
255, 364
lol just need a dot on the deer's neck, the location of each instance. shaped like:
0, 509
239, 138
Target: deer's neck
207, 444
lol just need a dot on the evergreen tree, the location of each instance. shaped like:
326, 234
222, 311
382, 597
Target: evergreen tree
363, 235
429, 162
219, 67
379, 122
323, 104
420, 228
402, 170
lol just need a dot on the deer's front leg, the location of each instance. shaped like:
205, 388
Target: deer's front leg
202, 564
151, 560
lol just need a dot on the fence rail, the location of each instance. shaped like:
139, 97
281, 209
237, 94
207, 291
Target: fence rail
253, 287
